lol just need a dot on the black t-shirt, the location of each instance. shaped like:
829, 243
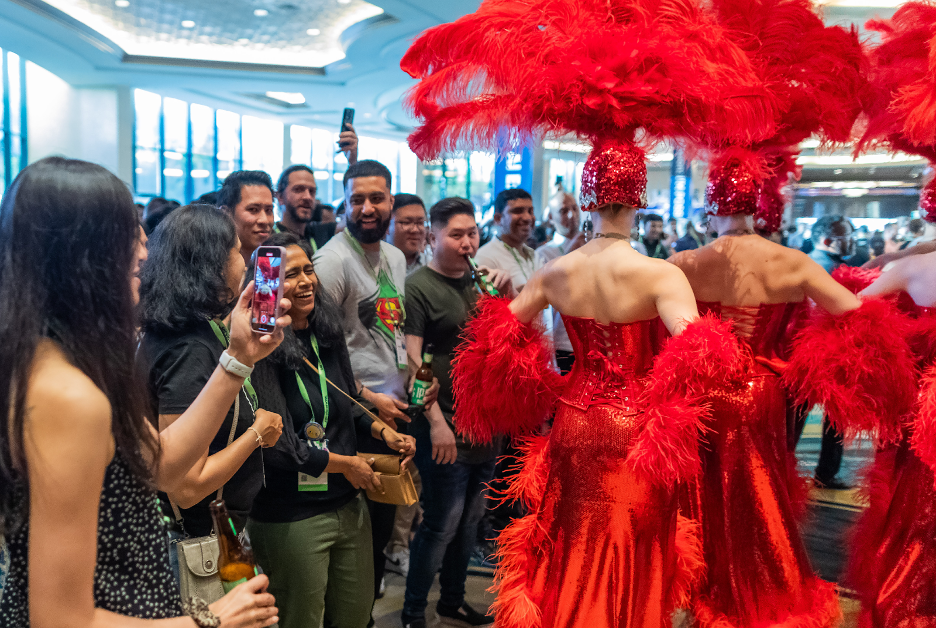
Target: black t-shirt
281, 501
178, 365
437, 308
317, 233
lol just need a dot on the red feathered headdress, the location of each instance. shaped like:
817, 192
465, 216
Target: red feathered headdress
814, 72
900, 105
602, 69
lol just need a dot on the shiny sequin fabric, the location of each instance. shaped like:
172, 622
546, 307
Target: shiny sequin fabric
928, 200
615, 172
731, 189
756, 569
893, 561
133, 576
602, 546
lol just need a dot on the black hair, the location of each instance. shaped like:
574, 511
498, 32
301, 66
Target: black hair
513, 194
403, 199
822, 228
208, 198
155, 214
652, 218
230, 193
367, 168
283, 182
916, 226
183, 281
326, 319
442, 212
320, 207
69, 231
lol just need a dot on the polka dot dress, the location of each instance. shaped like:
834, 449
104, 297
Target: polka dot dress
132, 577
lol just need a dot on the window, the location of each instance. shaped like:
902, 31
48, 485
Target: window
229, 143
175, 149
13, 140
263, 145
204, 172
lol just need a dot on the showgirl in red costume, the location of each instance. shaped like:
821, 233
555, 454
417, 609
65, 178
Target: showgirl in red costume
602, 546
757, 573
893, 562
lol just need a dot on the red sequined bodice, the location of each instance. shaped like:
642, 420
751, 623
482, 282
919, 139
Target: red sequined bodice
611, 360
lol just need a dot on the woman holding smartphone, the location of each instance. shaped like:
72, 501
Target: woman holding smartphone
310, 526
192, 275
79, 460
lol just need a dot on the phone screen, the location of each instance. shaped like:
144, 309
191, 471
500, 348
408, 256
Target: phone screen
267, 280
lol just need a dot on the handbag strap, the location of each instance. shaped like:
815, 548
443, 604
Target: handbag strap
175, 507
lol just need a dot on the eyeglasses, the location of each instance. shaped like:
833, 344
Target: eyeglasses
406, 224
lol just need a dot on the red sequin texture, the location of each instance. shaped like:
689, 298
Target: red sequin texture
928, 200
731, 189
747, 500
616, 172
603, 549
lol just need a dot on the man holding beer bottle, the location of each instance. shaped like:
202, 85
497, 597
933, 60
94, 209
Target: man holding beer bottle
439, 300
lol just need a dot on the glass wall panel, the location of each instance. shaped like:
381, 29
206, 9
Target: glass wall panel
203, 150
263, 145
229, 143
17, 128
300, 144
148, 140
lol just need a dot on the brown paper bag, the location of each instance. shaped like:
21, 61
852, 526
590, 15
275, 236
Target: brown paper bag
398, 487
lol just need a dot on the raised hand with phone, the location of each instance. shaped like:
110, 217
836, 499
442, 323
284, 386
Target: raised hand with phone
347, 137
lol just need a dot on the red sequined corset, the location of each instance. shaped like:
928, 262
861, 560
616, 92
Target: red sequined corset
610, 362
767, 328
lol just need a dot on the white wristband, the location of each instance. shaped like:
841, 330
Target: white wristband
230, 364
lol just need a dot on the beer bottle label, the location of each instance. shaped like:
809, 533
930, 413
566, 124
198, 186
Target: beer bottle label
418, 396
227, 586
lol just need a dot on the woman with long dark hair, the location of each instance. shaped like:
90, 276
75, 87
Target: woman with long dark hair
188, 285
78, 459
310, 526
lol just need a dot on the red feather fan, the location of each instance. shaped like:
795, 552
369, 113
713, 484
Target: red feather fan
502, 375
859, 366
705, 356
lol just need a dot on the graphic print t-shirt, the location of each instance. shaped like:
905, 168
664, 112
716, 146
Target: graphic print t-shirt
373, 310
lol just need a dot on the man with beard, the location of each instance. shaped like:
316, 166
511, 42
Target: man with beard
513, 213
366, 276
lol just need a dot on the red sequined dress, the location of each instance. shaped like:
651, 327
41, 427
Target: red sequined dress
600, 542
757, 572
893, 562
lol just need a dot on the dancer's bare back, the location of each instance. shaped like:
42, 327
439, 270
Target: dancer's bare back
748, 270
608, 281
914, 275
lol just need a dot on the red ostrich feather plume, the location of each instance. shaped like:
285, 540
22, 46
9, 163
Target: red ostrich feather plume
516, 69
816, 75
900, 104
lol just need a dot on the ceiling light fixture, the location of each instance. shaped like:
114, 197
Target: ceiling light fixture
293, 98
343, 1
123, 4
313, 32
188, 24
261, 12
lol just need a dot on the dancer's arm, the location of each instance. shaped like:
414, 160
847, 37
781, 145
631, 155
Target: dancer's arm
675, 302
819, 286
532, 299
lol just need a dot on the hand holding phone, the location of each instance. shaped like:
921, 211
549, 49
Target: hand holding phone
347, 139
268, 289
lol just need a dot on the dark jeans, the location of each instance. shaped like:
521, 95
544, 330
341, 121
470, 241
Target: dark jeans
453, 503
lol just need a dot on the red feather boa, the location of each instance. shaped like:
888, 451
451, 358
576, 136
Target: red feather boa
858, 366
502, 375
854, 278
705, 355
923, 439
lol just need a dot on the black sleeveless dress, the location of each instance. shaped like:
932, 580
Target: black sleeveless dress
132, 576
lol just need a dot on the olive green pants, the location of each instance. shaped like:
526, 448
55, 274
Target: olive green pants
321, 569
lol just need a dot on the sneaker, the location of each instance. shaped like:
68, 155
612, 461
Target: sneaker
464, 617
413, 623
398, 562
833, 484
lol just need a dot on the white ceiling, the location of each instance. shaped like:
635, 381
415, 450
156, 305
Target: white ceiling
224, 52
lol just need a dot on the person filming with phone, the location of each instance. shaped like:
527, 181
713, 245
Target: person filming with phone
187, 288
80, 460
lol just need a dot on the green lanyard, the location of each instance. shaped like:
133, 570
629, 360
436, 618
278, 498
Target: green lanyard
323, 383
225, 339
516, 259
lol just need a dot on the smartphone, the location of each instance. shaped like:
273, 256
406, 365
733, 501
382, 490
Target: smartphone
347, 119
268, 289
